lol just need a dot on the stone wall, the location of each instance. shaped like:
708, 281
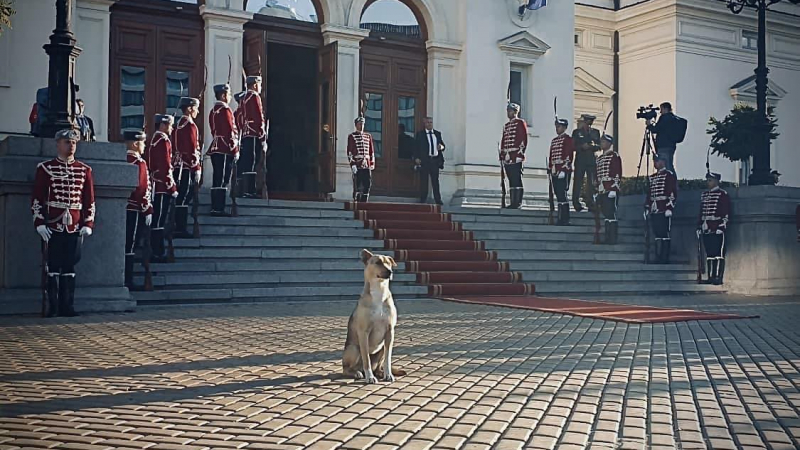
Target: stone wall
763, 256
100, 272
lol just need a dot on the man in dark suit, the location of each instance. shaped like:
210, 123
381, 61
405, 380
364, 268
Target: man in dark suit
429, 156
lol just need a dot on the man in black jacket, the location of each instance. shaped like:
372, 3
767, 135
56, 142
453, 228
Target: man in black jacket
665, 145
429, 156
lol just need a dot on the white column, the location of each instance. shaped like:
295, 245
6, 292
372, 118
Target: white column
347, 97
92, 28
224, 37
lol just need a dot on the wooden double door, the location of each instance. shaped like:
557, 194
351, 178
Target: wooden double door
393, 95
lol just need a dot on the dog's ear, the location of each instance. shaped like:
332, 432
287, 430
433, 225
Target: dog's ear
365, 255
394, 264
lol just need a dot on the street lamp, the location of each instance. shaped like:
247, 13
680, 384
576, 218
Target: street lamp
61, 86
761, 170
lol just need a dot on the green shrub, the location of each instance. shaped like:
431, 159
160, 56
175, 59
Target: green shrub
634, 185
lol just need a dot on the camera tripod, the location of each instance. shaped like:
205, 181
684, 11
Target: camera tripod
644, 153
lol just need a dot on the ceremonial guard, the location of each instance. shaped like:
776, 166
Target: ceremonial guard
559, 164
254, 136
587, 142
512, 152
715, 209
659, 204
224, 149
609, 177
187, 162
139, 212
361, 154
63, 214
158, 156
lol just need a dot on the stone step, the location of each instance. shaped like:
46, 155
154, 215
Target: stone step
545, 255
291, 293
289, 230
545, 232
599, 266
344, 255
624, 277
295, 213
327, 278
256, 265
205, 201
281, 222
578, 219
279, 242
560, 246
642, 288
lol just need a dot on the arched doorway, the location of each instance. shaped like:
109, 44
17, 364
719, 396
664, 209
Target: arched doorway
393, 91
283, 43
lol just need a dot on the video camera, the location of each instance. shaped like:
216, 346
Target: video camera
648, 112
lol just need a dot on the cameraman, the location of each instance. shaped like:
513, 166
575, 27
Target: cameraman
663, 129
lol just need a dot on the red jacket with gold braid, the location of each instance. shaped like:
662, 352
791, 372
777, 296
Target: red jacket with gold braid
253, 116
139, 200
360, 150
186, 145
715, 209
63, 196
609, 172
562, 152
158, 156
515, 140
663, 192
224, 135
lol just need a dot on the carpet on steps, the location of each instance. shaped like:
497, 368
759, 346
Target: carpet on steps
463, 266
402, 215
444, 255
424, 234
595, 310
490, 289
432, 244
468, 277
411, 225
378, 206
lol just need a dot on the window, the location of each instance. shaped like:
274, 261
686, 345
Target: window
578, 39
391, 17
519, 91
177, 87
749, 40
374, 121
302, 10
132, 81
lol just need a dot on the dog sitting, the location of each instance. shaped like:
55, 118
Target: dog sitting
370, 330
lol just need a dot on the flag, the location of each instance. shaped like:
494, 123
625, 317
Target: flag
533, 5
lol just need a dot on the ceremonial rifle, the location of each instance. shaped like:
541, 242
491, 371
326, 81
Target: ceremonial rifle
45, 300
502, 182
700, 264
147, 250
169, 231
646, 237
550, 193
596, 212
235, 168
196, 200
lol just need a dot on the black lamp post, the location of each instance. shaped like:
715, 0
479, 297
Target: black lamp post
761, 166
61, 87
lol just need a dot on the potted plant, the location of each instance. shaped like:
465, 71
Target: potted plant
738, 135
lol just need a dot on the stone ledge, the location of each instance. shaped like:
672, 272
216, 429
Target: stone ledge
87, 300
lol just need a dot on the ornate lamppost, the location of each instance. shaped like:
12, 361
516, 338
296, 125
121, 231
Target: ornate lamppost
761, 165
61, 86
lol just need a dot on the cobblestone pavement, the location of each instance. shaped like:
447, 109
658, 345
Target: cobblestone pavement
265, 377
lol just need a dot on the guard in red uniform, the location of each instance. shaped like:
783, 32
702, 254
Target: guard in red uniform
224, 149
659, 204
254, 136
63, 214
139, 212
158, 156
187, 162
715, 210
512, 152
559, 164
609, 176
361, 154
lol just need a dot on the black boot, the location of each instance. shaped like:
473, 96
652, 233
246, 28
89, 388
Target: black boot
665, 251
614, 232
66, 296
249, 181
218, 201
565, 207
52, 296
607, 233
157, 246
129, 271
520, 196
577, 205
181, 222
720, 271
657, 255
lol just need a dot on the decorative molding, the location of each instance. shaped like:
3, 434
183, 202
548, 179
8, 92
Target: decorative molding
345, 36
444, 50
588, 84
745, 91
229, 16
523, 45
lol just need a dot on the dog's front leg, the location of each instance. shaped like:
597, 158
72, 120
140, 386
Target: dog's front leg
388, 343
363, 345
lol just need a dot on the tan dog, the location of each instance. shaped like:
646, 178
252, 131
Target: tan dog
370, 330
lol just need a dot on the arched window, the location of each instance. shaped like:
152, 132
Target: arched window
303, 10
391, 17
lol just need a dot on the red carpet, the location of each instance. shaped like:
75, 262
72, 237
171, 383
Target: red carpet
594, 310
445, 258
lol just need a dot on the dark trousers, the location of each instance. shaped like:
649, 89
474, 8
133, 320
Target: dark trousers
661, 226
715, 245
63, 253
514, 176
560, 187
223, 165
608, 206
134, 227
183, 177
251, 146
363, 180
429, 169
669, 154
161, 205
584, 171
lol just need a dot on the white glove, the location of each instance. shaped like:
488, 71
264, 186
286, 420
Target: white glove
44, 232
175, 194
355, 169
719, 231
196, 175
612, 194
698, 232
668, 213
86, 232
644, 214
518, 160
148, 219
236, 158
562, 175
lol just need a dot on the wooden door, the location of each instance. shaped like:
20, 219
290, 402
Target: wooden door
393, 99
327, 114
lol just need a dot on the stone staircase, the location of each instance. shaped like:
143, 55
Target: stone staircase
563, 261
